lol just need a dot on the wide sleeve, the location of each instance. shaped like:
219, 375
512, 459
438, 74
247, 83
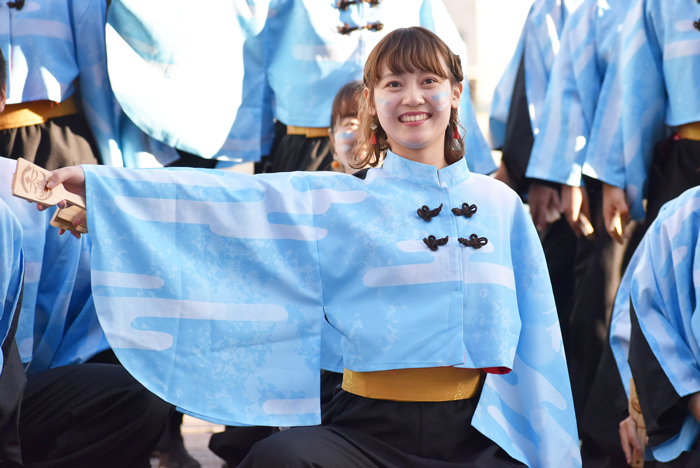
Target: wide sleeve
559, 149
529, 412
178, 72
207, 285
97, 99
663, 349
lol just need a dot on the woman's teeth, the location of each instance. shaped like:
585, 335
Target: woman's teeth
413, 118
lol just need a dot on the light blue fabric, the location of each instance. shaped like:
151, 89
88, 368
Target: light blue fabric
662, 282
11, 270
178, 73
587, 45
539, 41
58, 324
49, 46
212, 288
651, 84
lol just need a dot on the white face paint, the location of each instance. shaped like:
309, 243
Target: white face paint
384, 106
441, 101
344, 142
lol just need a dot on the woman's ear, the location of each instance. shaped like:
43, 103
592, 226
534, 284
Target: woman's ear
370, 105
456, 95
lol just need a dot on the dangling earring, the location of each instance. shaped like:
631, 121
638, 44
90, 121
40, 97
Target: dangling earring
373, 126
456, 133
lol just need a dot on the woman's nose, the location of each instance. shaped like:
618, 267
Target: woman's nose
413, 96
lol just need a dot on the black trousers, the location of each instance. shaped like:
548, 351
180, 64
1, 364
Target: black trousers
296, 153
89, 415
361, 432
63, 141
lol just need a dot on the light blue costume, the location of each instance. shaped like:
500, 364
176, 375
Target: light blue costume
651, 85
540, 42
662, 282
587, 45
294, 62
52, 45
11, 270
58, 324
212, 287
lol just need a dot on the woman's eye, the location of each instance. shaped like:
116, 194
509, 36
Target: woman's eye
430, 81
393, 84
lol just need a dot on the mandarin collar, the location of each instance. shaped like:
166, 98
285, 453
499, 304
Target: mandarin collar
425, 174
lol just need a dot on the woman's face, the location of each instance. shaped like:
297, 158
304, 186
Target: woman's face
414, 110
343, 139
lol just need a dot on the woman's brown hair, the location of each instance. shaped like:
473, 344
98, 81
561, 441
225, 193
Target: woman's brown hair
406, 50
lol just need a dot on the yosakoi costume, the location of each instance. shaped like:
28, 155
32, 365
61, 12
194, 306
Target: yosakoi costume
54, 48
212, 287
653, 335
73, 413
587, 44
650, 88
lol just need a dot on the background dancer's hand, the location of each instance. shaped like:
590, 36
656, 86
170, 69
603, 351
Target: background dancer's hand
73, 180
628, 437
615, 204
574, 206
544, 204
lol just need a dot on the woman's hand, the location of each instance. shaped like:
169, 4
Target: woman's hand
544, 204
73, 180
574, 202
628, 437
615, 204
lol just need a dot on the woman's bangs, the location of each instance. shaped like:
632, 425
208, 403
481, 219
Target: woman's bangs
413, 52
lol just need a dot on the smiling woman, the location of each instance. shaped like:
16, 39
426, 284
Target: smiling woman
434, 277
412, 98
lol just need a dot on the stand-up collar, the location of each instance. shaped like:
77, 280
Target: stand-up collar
426, 174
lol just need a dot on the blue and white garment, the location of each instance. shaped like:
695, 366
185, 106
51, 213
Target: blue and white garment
662, 282
50, 46
11, 270
58, 324
651, 85
178, 73
540, 42
587, 45
308, 61
212, 287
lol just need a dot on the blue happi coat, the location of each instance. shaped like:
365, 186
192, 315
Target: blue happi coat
50, 46
58, 324
587, 45
539, 42
662, 284
11, 271
284, 59
212, 287
652, 84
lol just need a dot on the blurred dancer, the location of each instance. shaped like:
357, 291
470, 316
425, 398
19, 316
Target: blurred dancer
587, 45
